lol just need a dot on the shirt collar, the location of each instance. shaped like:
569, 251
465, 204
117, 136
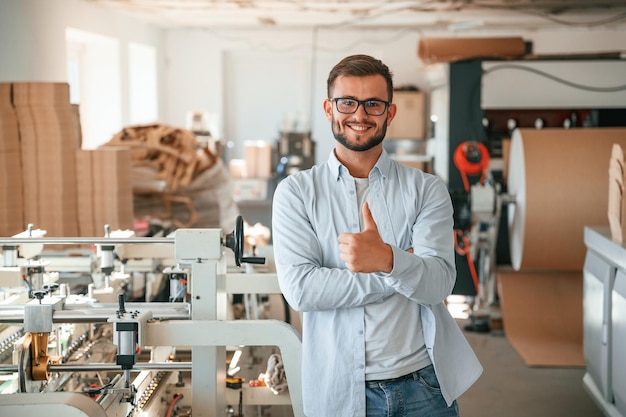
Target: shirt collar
383, 165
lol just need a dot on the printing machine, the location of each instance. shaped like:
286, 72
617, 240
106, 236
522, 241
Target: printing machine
67, 354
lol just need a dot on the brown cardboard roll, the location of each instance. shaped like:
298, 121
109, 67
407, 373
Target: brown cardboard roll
559, 180
434, 50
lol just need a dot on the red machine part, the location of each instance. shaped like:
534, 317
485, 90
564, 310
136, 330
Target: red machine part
465, 156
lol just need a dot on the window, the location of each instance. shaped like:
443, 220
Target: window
93, 65
142, 73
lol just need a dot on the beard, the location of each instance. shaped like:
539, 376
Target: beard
374, 141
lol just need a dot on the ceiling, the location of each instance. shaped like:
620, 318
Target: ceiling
447, 15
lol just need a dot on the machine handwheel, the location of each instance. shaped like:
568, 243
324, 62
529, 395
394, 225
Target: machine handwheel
234, 240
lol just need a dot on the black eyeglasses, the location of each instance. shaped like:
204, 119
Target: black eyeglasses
372, 107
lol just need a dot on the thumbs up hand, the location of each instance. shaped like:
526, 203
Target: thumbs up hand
365, 251
368, 219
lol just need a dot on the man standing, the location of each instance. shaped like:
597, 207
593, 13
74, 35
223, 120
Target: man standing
364, 247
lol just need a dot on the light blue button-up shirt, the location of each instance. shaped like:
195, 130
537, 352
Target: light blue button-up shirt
412, 210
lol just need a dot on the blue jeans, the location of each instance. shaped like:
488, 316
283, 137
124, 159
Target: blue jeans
414, 395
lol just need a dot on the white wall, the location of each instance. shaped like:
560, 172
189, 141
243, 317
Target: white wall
509, 85
31, 41
521, 84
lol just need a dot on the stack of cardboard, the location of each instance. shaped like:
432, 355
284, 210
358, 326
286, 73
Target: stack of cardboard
410, 119
105, 195
49, 140
11, 197
45, 178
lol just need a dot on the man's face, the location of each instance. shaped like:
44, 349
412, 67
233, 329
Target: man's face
359, 131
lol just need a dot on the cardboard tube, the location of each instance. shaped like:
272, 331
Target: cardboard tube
435, 50
559, 180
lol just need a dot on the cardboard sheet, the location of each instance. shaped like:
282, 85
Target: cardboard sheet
41, 94
616, 193
559, 178
542, 316
5, 95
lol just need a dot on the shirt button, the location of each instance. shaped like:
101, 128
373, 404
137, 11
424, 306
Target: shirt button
360, 331
354, 225
351, 192
361, 366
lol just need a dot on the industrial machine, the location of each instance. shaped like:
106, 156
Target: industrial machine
294, 151
477, 219
72, 354
604, 309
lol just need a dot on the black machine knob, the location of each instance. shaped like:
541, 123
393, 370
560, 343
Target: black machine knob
234, 241
120, 301
50, 288
39, 294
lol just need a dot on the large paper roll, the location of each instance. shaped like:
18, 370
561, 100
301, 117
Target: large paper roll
559, 179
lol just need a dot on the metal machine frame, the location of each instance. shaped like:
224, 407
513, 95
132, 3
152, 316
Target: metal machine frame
201, 325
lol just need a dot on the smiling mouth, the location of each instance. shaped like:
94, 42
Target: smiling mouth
359, 127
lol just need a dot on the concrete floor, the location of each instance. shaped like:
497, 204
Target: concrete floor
509, 388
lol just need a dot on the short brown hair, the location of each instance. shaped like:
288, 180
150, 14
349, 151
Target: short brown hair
360, 66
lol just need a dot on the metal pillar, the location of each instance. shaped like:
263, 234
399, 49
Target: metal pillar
208, 370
